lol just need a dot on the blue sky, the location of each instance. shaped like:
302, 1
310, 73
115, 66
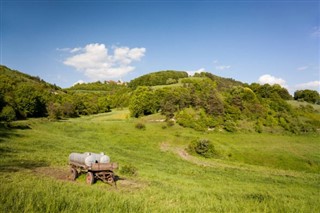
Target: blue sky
63, 42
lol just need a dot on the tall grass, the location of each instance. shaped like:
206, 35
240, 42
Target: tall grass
255, 172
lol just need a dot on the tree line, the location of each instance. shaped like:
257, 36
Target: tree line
23, 96
202, 102
199, 104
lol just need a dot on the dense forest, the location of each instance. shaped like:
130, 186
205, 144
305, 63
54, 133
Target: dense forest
204, 102
158, 78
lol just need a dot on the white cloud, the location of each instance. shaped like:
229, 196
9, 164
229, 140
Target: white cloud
269, 79
75, 49
95, 61
316, 32
191, 73
223, 67
302, 68
79, 82
63, 49
313, 85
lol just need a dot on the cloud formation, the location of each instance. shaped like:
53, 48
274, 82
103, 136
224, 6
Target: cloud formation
316, 32
191, 73
79, 82
302, 68
223, 67
269, 79
95, 61
313, 85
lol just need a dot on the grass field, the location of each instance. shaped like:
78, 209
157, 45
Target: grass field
254, 172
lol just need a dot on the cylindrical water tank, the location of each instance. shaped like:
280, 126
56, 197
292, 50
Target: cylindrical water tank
99, 158
88, 158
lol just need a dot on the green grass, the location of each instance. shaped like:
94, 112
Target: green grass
179, 84
254, 173
297, 104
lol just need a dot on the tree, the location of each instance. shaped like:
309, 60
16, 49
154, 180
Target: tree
143, 102
310, 96
54, 111
30, 101
270, 91
7, 114
158, 78
172, 99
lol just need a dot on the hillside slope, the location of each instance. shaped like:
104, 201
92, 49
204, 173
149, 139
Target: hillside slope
253, 173
203, 102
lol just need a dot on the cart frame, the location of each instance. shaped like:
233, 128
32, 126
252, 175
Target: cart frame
97, 171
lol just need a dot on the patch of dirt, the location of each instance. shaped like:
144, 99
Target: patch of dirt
182, 153
164, 147
56, 173
130, 185
185, 156
64, 174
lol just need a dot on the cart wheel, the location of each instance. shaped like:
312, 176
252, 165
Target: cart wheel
74, 173
90, 178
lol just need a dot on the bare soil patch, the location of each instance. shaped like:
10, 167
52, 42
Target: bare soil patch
64, 174
56, 173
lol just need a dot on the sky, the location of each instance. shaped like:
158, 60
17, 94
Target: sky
69, 41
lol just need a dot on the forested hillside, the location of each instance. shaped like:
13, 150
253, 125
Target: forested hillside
158, 78
204, 102
23, 96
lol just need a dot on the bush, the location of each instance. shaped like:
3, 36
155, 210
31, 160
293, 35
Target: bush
202, 147
128, 170
8, 114
141, 126
191, 118
230, 126
258, 127
170, 123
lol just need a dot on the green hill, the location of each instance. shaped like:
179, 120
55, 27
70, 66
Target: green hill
252, 173
14, 78
23, 95
202, 144
203, 102
158, 78
171, 77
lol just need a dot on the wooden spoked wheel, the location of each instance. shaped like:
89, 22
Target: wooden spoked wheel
90, 178
74, 173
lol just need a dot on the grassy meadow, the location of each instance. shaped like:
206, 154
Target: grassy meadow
253, 173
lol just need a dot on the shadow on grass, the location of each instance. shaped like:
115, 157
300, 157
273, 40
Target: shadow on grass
8, 161
8, 130
17, 165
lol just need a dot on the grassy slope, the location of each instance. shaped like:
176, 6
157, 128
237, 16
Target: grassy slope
255, 173
297, 104
179, 84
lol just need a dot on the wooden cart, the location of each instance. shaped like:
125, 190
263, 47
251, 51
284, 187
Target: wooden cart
97, 171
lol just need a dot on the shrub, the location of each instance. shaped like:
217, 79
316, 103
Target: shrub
170, 123
196, 119
129, 170
258, 126
202, 147
141, 126
230, 126
8, 114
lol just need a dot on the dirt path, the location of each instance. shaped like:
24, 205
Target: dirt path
181, 152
